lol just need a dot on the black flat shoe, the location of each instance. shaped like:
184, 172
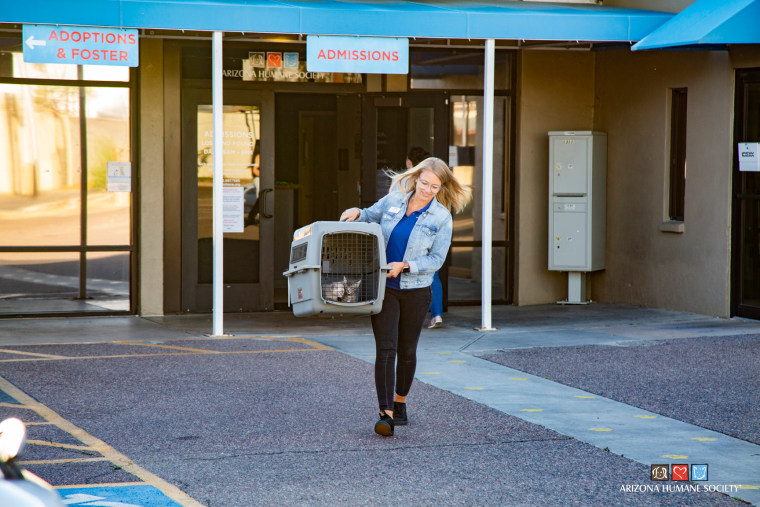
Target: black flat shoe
384, 426
399, 414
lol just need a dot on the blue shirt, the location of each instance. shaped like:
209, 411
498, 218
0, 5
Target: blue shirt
396, 248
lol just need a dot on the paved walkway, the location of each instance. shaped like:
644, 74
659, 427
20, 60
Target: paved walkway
449, 359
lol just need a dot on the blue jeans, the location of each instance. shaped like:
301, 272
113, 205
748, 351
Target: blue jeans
436, 307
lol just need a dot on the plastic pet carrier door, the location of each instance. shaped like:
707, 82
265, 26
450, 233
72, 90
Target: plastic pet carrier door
337, 268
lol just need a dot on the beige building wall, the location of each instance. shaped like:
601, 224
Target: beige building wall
646, 264
627, 95
556, 93
151, 212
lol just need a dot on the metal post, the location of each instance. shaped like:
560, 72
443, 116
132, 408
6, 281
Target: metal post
488, 87
218, 237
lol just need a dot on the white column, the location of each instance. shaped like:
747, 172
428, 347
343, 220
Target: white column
218, 210
488, 85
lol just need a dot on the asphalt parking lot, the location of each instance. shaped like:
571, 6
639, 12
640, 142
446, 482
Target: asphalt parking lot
163, 415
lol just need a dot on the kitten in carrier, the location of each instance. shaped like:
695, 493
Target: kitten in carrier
344, 291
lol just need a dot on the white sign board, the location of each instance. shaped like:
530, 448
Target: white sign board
81, 45
749, 160
119, 176
233, 208
371, 55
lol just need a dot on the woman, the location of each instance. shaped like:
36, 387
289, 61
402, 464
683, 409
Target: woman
417, 227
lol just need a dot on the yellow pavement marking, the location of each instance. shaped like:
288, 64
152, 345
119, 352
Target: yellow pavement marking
475, 388
430, 372
104, 485
443, 352
646, 416
15, 405
174, 347
61, 461
748, 486
457, 361
185, 350
532, 409
704, 439
36, 423
585, 397
518, 378
600, 429
100, 446
371, 357
59, 445
675, 456
31, 354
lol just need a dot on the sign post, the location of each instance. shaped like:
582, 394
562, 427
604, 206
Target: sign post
80, 45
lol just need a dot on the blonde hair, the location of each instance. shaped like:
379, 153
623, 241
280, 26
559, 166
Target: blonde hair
452, 193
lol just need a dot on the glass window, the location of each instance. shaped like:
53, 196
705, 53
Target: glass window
39, 165
456, 69
12, 65
677, 154
108, 280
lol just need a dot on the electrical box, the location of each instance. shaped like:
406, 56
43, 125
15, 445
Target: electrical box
577, 200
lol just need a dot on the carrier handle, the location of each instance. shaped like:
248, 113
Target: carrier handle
293, 271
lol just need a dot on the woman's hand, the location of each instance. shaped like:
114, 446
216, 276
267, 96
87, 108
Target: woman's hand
350, 215
396, 269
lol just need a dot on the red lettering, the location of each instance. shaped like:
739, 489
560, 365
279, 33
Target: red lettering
110, 38
53, 36
395, 56
122, 56
354, 55
376, 55
86, 37
331, 54
342, 55
64, 36
132, 38
86, 54
364, 55
74, 52
386, 55
321, 55
122, 38
76, 36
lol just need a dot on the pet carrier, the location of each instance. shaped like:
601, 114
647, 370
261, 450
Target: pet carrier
337, 268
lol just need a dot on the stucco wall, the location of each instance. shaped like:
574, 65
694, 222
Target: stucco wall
151, 133
556, 93
646, 266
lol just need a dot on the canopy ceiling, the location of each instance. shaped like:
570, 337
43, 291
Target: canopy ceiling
708, 22
449, 19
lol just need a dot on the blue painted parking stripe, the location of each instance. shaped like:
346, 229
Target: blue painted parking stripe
139, 495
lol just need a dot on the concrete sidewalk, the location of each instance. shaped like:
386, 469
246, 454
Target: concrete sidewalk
489, 368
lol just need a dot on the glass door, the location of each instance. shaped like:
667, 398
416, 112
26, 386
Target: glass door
745, 269
248, 201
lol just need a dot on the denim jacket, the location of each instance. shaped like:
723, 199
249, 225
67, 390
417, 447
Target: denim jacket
429, 240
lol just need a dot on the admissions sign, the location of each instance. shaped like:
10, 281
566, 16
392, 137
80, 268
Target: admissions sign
80, 45
371, 55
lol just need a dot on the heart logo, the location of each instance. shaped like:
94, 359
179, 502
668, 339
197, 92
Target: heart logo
680, 472
274, 60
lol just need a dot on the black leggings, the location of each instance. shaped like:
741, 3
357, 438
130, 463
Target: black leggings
397, 330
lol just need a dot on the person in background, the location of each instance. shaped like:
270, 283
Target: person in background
415, 156
417, 227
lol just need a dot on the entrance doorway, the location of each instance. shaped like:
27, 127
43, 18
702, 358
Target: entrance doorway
248, 122
745, 269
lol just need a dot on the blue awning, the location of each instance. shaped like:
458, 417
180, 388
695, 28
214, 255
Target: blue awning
708, 22
450, 19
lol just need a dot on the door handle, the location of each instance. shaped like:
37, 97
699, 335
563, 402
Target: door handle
264, 203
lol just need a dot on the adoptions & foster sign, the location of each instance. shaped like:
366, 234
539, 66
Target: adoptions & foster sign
371, 55
80, 45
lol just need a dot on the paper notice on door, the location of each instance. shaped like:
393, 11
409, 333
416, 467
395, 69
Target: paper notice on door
234, 217
119, 177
